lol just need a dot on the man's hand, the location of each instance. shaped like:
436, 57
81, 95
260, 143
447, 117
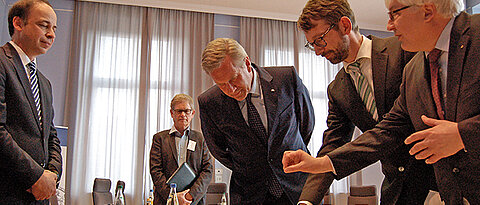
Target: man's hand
300, 161
45, 187
440, 141
183, 198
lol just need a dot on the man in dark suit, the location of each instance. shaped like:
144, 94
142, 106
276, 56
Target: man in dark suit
30, 160
249, 118
171, 148
438, 100
331, 30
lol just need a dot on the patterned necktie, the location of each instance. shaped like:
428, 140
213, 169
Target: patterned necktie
433, 57
363, 88
254, 120
255, 123
35, 90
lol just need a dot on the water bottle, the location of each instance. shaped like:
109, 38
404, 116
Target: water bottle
150, 198
172, 197
119, 196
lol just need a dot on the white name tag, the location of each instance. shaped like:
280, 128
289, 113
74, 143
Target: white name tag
191, 145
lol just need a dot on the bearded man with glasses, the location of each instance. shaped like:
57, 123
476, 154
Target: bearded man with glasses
363, 90
437, 112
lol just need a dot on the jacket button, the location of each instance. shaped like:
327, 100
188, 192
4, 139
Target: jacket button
401, 169
456, 170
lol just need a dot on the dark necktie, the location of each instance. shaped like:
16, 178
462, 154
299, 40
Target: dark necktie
433, 57
255, 123
254, 120
35, 90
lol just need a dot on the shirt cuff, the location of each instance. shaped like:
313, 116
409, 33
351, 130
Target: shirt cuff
330, 161
304, 203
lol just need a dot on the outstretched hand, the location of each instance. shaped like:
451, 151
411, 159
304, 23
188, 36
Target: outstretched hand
440, 141
300, 161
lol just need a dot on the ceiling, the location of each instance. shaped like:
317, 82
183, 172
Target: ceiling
370, 14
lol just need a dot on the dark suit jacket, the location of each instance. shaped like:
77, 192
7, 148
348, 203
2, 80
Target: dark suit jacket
290, 124
346, 110
163, 163
26, 149
457, 176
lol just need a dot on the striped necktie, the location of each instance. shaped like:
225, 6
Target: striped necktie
35, 89
363, 88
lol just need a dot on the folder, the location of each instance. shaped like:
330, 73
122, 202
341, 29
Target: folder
183, 177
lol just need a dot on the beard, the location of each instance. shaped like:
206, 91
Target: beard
339, 53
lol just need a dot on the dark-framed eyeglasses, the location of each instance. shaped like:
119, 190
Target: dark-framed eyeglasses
393, 14
180, 111
320, 42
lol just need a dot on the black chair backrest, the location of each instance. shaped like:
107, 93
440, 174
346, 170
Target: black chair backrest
101, 192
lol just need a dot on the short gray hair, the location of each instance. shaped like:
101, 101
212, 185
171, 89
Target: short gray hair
218, 49
446, 8
179, 98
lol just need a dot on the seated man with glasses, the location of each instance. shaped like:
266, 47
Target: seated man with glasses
171, 148
362, 92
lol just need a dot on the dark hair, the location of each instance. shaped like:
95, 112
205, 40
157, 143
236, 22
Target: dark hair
328, 10
22, 9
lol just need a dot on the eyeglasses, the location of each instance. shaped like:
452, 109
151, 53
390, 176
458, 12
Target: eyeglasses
186, 111
320, 42
393, 14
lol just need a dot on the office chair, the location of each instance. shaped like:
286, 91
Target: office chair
328, 199
101, 192
364, 195
215, 192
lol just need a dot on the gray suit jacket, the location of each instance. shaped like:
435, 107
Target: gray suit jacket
457, 176
290, 124
163, 163
26, 149
346, 110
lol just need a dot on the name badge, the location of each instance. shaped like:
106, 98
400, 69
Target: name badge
191, 145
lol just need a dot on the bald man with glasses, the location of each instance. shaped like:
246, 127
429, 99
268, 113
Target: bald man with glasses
363, 90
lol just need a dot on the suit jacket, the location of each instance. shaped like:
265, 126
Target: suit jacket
26, 148
346, 110
290, 124
163, 163
457, 176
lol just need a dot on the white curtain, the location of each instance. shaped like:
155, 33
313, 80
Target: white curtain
278, 43
127, 64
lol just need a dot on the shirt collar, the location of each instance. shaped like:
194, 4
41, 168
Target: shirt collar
177, 133
365, 51
255, 91
25, 59
444, 40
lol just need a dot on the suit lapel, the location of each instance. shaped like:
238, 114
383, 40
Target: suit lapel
170, 139
270, 97
456, 56
234, 116
421, 74
191, 137
379, 74
45, 104
22, 76
352, 101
